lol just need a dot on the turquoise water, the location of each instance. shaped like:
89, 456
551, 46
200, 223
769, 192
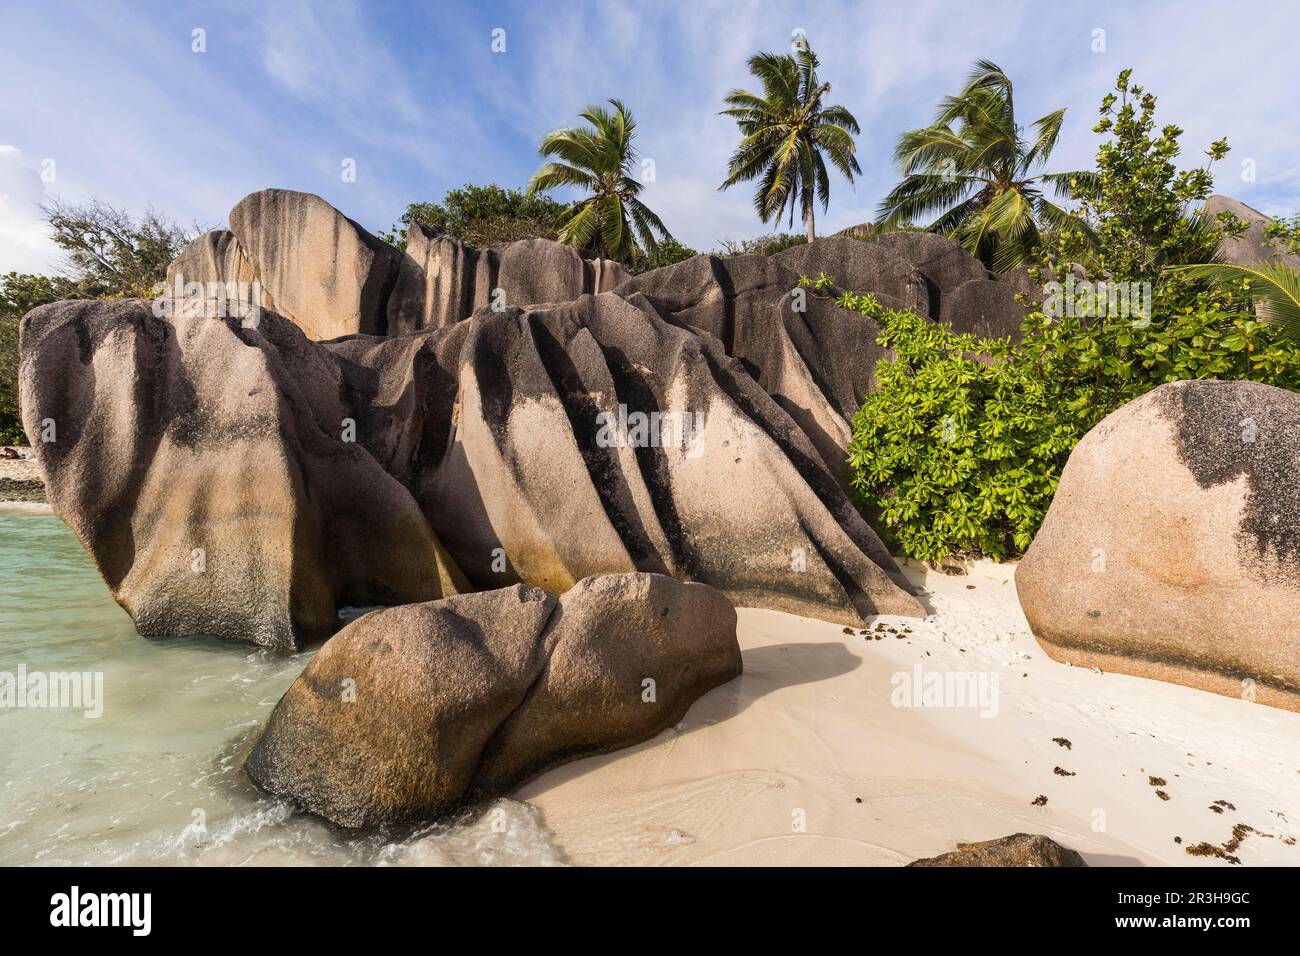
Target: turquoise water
157, 779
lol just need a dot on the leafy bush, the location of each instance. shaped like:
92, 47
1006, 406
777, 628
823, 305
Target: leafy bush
960, 449
111, 253
501, 229
952, 453
761, 245
482, 216
11, 429
19, 294
1284, 234
1137, 205
665, 253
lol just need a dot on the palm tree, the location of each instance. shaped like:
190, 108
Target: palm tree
973, 170
786, 131
600, 158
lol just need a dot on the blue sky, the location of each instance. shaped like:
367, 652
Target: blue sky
112, 99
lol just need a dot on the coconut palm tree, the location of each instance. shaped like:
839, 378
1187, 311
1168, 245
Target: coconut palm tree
600, 159
787, 131
973, 171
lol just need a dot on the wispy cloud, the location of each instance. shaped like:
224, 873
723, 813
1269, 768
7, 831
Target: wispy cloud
25, 243
417, 97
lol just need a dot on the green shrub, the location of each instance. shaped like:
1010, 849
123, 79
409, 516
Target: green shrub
960, 449
19, 294
666, 253
482, 216
11, 429
761, 245
952, 454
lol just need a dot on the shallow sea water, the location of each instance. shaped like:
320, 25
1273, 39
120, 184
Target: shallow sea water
157, 779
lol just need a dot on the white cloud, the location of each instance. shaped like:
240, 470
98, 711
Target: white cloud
25, 243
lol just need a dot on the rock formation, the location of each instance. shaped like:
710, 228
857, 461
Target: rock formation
1253, 247
201, 465
593, 437
1172, 547
1019, 849
541, 447
443, 280
541, 414
318, 267
409, 712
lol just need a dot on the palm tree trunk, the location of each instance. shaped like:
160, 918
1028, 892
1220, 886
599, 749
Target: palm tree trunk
808, 218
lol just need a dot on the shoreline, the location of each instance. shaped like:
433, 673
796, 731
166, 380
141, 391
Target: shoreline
824, 752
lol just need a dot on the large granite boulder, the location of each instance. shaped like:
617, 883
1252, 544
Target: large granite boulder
215, 257
986, 308
321, 270
539, 447
1019, 849
626, 656
1253, 247
747, 304
443, 280
439, 282
389, 720
594, 437
1172, 547
201, 464
860, 266
410, 712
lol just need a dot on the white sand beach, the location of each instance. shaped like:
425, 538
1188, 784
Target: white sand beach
809, 732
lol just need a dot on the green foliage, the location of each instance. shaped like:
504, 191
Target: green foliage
788, 134
19, 294
11, 428
112, 254
761, 245
599, 159
972, 170
952, 454
1274, 288
665, 253
482, 216
961, 447
1137, 202
1285, 234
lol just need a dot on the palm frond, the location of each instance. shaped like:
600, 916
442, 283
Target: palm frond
1274, 287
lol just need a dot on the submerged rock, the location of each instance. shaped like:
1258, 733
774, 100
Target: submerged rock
409, 712
1019, 849
1172, 547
